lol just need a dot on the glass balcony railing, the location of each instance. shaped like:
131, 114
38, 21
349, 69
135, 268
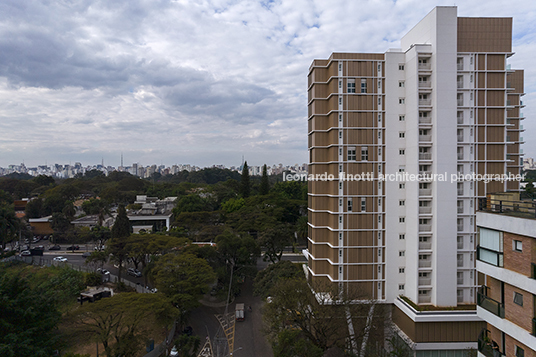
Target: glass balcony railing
491, 305
487, 346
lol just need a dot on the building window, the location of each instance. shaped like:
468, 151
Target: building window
352, 154
401, 152
518, 299
400, 286
349, 205
401, 168
519, 351
401, 270
340, 100
340, 84
401, 236
364, 153
402, 253
340, 67
400, 67
401, 219
351, 85
379, 117
402, 186
517, 245
363, 85
402, 134
402, 203
401, 84
401, 118
401, 100
363, 204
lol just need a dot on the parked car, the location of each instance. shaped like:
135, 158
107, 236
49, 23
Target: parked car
102, 271
55, 247
60, 259
174, 352
25, 253
134, 272
73, 247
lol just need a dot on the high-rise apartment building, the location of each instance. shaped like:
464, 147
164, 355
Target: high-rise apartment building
446, 104
506, 263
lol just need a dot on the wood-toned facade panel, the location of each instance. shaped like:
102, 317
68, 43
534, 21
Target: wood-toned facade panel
481, 34
360, 120
495, 80
515, 81
437, 331
495, 98
495, 152
324, 170
495, 134
495, 116
324, 155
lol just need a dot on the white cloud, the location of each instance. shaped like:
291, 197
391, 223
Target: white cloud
201, 82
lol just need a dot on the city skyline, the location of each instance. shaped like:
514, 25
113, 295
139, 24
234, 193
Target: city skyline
203, 83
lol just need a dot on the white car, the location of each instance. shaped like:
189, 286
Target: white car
174, 352
60, 259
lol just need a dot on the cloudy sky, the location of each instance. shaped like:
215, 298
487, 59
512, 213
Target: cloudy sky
201, 82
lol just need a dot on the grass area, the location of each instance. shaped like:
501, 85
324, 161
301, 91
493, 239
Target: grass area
463, 307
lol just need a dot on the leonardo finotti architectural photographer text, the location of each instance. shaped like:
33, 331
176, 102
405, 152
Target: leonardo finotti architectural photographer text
404, 177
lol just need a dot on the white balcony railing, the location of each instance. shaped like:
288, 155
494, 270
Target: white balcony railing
460, 192
425, 192
460, 227
460, 138
425, 263
425, 66
425, 245
426, 102
425, 209
425, 227
460, 103
425, 299
425, 84
425, 156
425, 137
425, 281
425, 120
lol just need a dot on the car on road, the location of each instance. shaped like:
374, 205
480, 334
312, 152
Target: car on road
86, 254
174, 352
134, 272
55, 247
25, 253
102, 271
60, 259
73, 247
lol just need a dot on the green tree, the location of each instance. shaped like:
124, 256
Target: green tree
187, 345
120, 234
274, 240
30, 304
244, 182
232, 205
184, 279
322, 317
121, 323
192, 203
35, 209
9, 224
293, 343
265, 185
268, 277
